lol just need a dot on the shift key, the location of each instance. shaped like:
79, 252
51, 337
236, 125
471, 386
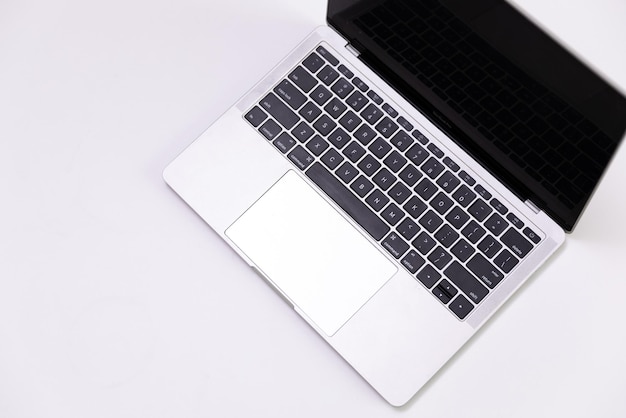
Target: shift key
466, 281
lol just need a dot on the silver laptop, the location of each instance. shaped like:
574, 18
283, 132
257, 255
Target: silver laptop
402, 172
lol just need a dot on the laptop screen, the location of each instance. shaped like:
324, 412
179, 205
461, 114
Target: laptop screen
528, 110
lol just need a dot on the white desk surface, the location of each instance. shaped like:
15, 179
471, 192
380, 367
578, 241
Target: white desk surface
116, 300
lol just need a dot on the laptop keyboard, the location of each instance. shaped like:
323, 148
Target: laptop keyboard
442, 226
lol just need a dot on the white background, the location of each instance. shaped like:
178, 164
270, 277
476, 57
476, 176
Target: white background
116, 300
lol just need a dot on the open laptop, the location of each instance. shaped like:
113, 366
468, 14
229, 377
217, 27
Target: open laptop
402, 172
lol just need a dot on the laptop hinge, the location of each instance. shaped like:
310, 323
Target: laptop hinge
353, 50
532, 206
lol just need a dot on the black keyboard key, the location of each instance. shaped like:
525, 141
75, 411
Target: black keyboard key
426, 189
467, 178
466, 281
410, 174
284, 142
496, 224
335, 108
353, 151
339, 138
399, 192
350, 121
279, 111
515, 221
324, 125
390, 110
372, 114
424, 243
461, 307
441, 295
448, 181
332, 159
359, 84
342, 88
270, 129
480, 210
375, 97
310, 112
365, 134
482, 192
302, 132
516, 242
357, 101
300, 157
347, 201
405, 123
440, 258
369, 165
441, 203
485, 271
420, 137
457, 217
328, 75
415, 207
386, 127
430, 221
498, 206
444, 291
377, 200
290, 94
446, 236
451, 164
506, 261
408, 229
473, 232
327, 55
347, 172
412, 261
313, 62
395, 245
379, 148
321, 95
462, 250
317, 145
384, 179
256, 116
435, 150
464, 195
361, 186
344, 70
428, 276
532, 235
392, 214
447, 286
432, 168
489, 246
394, 161
401, 140
302, 79
417, 154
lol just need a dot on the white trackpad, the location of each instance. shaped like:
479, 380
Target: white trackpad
308, 250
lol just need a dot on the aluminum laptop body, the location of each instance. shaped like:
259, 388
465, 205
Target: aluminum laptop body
285, 218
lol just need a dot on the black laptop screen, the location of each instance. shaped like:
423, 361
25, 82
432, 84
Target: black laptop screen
528, 110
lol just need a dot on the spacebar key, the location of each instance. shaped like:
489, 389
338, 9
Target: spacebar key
347, 201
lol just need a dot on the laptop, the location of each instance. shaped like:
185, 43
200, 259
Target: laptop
402, 172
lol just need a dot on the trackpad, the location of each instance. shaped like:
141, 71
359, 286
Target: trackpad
322, 263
